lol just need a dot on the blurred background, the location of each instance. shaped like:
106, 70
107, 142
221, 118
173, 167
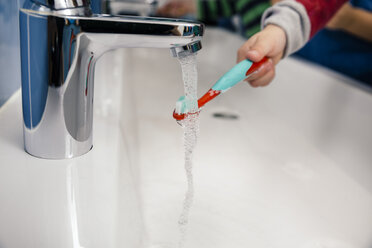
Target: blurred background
345, 45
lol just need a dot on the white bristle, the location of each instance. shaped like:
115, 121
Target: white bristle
179, 107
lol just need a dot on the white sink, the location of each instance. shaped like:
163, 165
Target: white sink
294, 170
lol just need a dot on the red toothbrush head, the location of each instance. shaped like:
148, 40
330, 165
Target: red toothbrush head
181, 111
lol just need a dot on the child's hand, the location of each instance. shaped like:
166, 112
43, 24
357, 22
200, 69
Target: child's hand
270, 42
177, 8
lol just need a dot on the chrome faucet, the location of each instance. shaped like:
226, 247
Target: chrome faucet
61, 40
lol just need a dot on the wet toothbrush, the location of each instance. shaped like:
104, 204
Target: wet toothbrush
238, 73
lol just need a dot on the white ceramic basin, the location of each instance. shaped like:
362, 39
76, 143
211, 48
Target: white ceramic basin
294, 170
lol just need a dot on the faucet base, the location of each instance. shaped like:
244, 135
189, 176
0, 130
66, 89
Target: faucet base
50, 138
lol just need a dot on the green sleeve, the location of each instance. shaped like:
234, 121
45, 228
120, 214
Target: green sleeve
250, 12
209, 11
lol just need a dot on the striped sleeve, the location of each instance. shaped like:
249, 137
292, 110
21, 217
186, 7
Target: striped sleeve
250, 12
209, 11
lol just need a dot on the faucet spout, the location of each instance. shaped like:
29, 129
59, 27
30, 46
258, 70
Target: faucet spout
110, 32
58, 56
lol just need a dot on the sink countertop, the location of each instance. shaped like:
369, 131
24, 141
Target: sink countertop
293, 170
89, 201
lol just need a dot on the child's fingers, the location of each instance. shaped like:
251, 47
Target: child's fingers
264, 80
171, 9
242, 51
255, 48
261, 71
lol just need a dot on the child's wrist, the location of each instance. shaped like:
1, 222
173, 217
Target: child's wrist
292, 18
279, 34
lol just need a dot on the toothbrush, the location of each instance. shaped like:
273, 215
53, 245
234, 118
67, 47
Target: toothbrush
239, 72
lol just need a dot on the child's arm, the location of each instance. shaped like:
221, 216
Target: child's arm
356, 21
320, 12
178, 8
288, 25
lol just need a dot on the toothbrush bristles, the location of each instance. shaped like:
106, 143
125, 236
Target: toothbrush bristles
181, 110
180, 117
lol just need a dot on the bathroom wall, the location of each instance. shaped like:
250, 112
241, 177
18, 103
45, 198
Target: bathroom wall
10, 75
96, 6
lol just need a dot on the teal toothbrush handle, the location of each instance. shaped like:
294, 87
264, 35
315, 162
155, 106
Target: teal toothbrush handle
236, 74
239, 72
